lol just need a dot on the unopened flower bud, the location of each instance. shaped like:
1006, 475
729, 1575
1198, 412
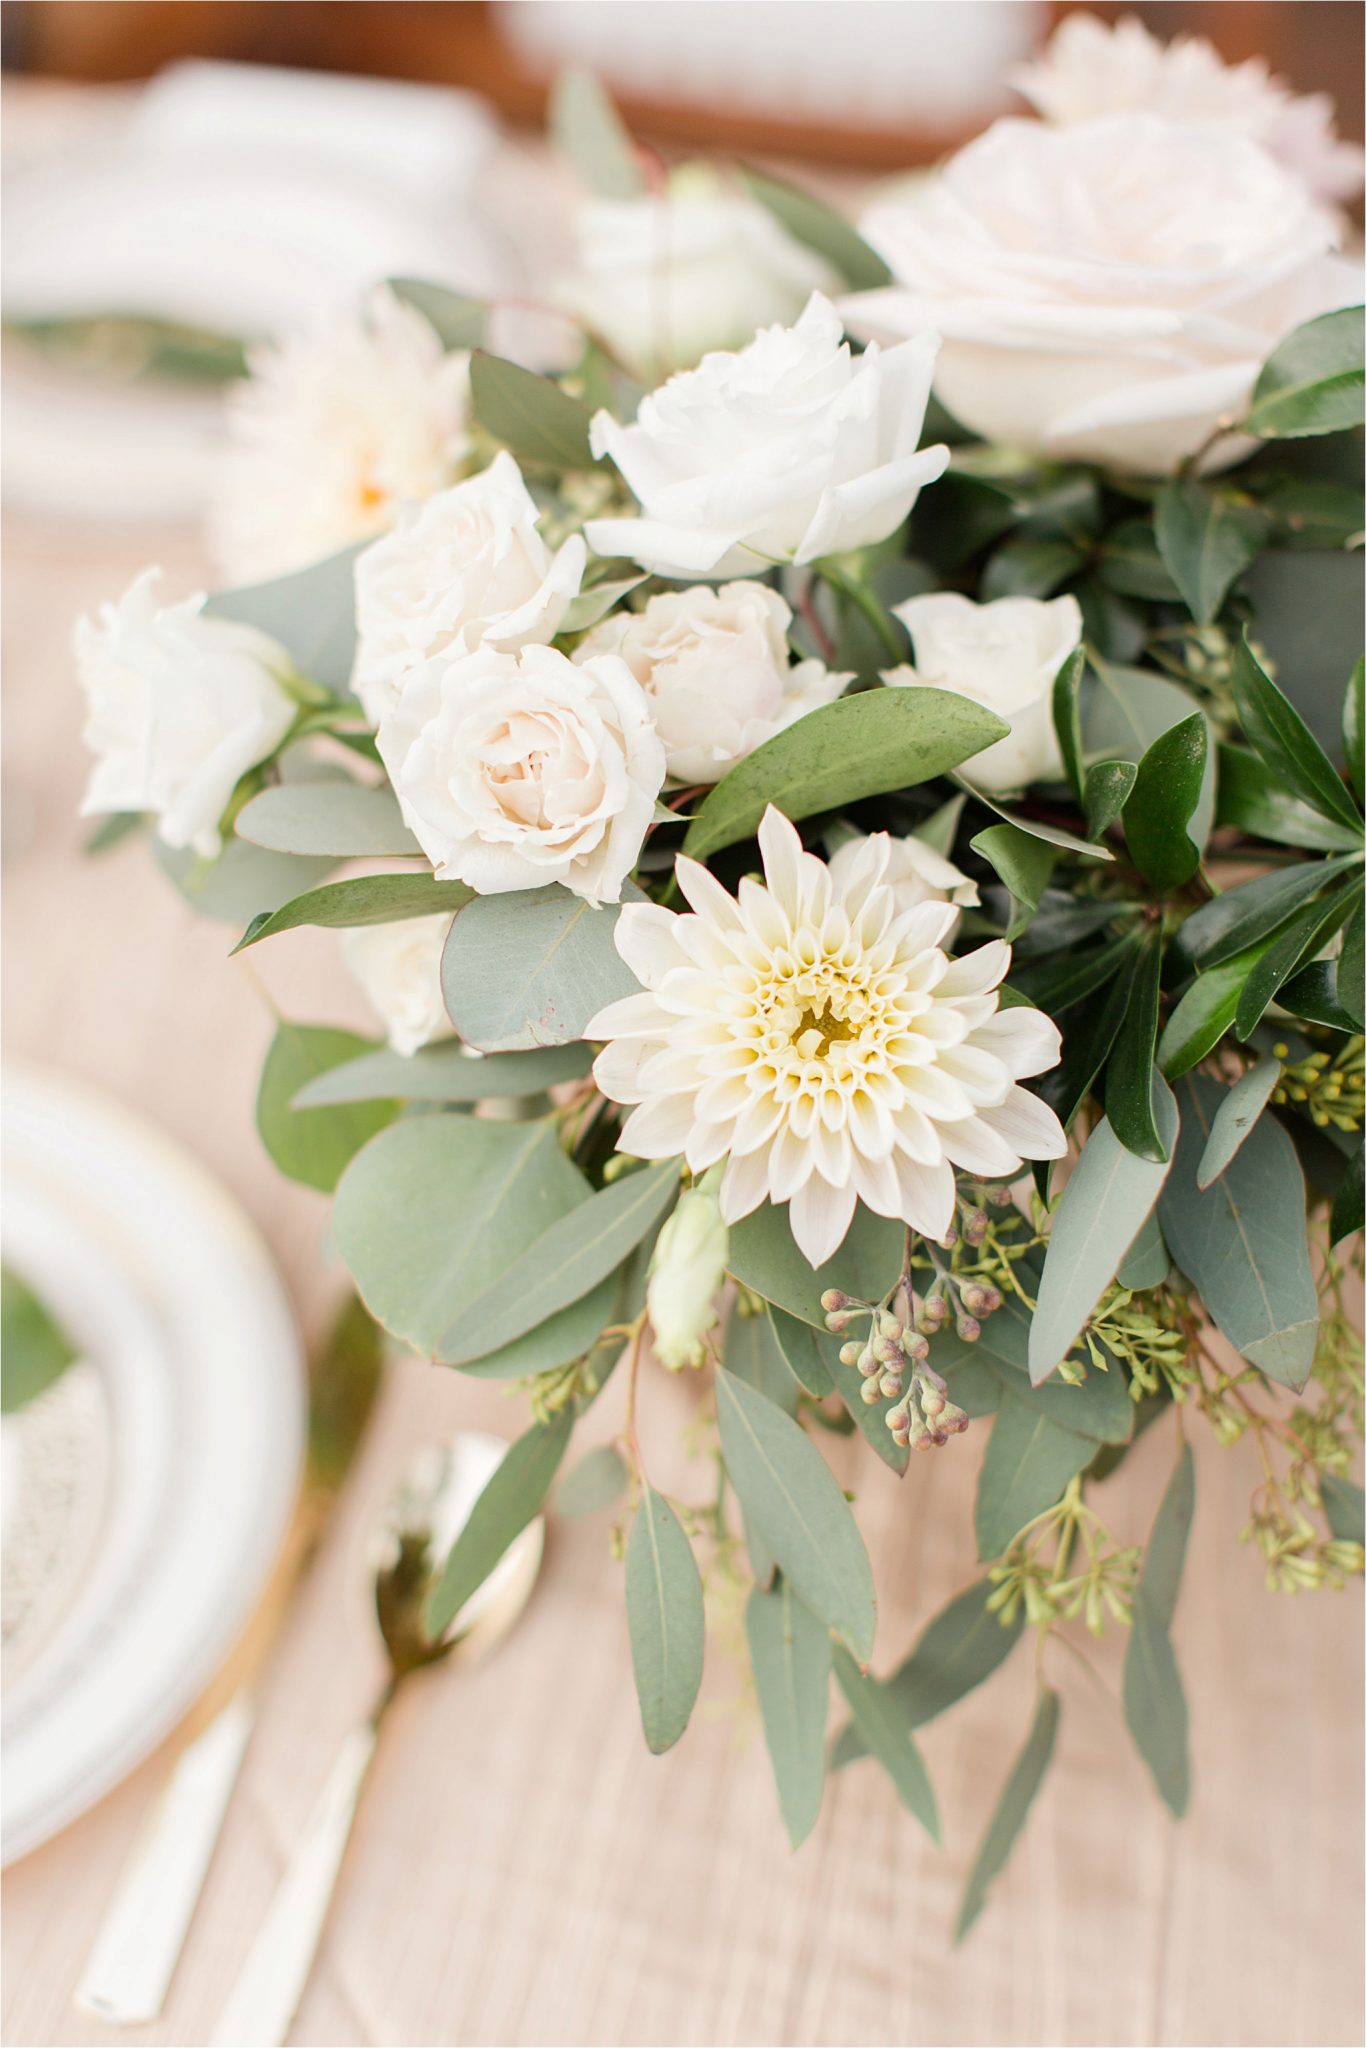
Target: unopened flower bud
891, 1384
968, 1328
888, 1325
886, 1351
872, 1392
933, 1403
975, 1226
916, 1348
866, 1362
850, 1353
687, 1269
999, 1198
974, 1297
949, 1239
953, 1419
833, 1299
838, 1319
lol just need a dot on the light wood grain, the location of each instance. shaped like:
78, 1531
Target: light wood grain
522, 1871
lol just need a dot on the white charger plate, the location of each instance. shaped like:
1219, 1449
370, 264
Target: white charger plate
173, 1300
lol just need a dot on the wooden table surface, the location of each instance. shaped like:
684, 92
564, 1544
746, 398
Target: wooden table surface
522, 1871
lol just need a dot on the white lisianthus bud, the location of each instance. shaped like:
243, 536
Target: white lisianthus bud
399, 967
716, 668
667, 276
179, 706
686, 1272
1004, 655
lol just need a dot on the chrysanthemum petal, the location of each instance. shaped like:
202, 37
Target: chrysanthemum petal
1024, 1040
1028, 1124
819, 1216
645, 939
658, 1129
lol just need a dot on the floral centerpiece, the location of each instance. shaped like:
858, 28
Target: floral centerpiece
851, 801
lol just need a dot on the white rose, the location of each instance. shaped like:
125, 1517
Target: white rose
515, 770
666, 277
1005, 655
399, 967
687, 1268
716, 669
179, 706
1106, 292
465, 568
335, 429
1094, 67
791, 449
915, 873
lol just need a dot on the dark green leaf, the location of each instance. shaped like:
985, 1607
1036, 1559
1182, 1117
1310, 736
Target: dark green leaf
1347, 1214
789, 1653
1162, 803
1235, 921
1130, 563
1344, 1506
1067, 714
368, 899
664, 1614
1354, 729
532, 416
1243, 1241
820, 227
763, 1256
785, 1485
586, 127
34, 1349
802, 1349
1352, 967
1312, 993
860, 746
1207, 535
1155, 1704
1234, 1118
1107, 789
1252, 798
1300, 940
1105, 1204
1028, 1463
596, 1481
532, 968
1278, 734
1132, 708
447, 1072
1030, 566
459, 321
1131, 1079
1313, 513
1023, 863
348, 820
313, 1145
882, 1726
1312, 382
1087, 1045
344, 1380
1057, 983
959, 1648
1205, 1012
511, 1498
1011, 1809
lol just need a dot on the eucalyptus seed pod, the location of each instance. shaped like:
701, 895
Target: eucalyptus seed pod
891, 1384
872, 1393
850, 1353
969, 1329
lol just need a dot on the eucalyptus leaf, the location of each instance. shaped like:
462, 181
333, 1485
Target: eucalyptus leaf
886, 1736
458, 320
953, 1655
763, 1255
802, 1349
664, 1615
870, 1420
857, 747
596, 601
596, 1481
313, 1145
752, 1352
789, 1653
243, 881
532, 968
1023, 862
1312, 382
1344, 1506
586, 127
1037, 828
1011, 1809
311, 612
1278, 734
445, 1073
1165, 1558
511, 1498
1234, 1118
1105, 792
1207, 534
785, 1485
1155, 1704
1107, 1200
365, 900
1243, 1240
1027, 1465
1163, 801
347, 820
819, 227
1147, 1262
529, 414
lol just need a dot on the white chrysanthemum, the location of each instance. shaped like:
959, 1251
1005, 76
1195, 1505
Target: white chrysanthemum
820, 1040
336, 428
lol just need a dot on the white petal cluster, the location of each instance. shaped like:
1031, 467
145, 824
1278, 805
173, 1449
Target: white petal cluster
822, 1043
398, 966
179, 705
716, 668
915, 873
1004, 654
1094, 67
466, 568
789, 449
518, 770
336, 428
1108, 291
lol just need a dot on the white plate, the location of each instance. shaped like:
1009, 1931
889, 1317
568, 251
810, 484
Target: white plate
176, 1306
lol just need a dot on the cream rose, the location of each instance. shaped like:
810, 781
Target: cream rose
716, 668
1106, 292
914, 873
467, 567
399, 968
1004, 655
179, 706
334, 430
666, 277
1093, 67
790, 449
515, 770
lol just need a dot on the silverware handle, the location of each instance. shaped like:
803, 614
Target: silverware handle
266, 1995
129, 1969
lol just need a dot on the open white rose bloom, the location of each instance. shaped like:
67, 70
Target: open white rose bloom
687, 760
819, 1039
